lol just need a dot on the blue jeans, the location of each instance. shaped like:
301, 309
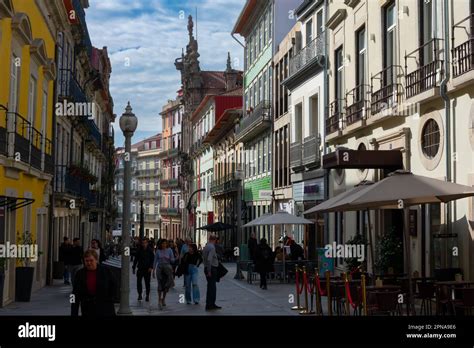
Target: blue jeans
191, 283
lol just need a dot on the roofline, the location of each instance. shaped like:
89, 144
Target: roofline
244, 16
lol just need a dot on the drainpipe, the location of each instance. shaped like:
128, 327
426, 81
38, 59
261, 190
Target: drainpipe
447, 105
326, 103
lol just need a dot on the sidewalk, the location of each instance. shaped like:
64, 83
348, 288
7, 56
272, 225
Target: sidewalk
236, 298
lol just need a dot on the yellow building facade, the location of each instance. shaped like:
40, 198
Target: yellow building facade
27, 74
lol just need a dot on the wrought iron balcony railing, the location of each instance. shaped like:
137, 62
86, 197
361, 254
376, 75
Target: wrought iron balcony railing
358, 100
311, 152
335, 120
226, 184
69, 87
429, 69
170, 211
463, 54
257, 120
169, 183
296, 155
314, 51
387, 93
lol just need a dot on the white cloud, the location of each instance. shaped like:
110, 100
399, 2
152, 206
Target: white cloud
144, 37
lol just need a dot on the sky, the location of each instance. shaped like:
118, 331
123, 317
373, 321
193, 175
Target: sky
143, 39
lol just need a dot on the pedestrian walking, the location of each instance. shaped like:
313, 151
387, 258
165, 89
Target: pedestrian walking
191, 261
175, 251
75, 259
94, 289
264, 262
252, 245
182, 251
163, 271
97, 247
64, 255
211, 262
143, 264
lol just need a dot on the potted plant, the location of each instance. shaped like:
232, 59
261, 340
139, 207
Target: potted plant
390, 253
354, 266
24, 274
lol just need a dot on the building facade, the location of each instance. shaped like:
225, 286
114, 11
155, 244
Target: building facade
263, 25
391, 87
171, 196
300, 75
145, 187
28, 72
196, 84
84, 139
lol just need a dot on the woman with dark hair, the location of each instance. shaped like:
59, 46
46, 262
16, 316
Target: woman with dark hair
97, 247
163, 270
264, 262
191, 261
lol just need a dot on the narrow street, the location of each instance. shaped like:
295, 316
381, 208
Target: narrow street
236, 298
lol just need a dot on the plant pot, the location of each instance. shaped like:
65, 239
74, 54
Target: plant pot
23, 283
2, 282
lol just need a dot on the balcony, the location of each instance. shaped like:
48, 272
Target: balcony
168, 154
257, 121
310, 56
428, 72
334, 123
36, 144
311, 151
227, 184
147, 194
358, 104
386, 94
296, 156
86, 43
463, 54
169, 183
147, 173
170, 211
94, 134
66, 182
69, 88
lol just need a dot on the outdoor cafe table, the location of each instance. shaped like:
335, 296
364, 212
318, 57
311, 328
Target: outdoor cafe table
453, 285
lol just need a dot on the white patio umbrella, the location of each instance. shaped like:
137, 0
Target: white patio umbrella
279, 218
400, 190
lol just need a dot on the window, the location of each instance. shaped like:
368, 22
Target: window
309, 32
430, 138
389, 43
426, 31
32, 101
339, 78
313, 115
319, 23
360, 54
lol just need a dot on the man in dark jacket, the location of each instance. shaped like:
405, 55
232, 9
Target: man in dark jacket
252, 245
144, 260
64, 255
93, 289
75, 259
264, 262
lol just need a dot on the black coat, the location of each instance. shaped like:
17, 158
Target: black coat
144, 259
102, 304
65, 253
75, 256
263, 264
252, 245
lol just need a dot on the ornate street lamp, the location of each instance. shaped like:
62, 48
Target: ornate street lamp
128, 125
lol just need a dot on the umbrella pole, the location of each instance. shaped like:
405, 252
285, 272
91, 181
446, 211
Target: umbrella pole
406, 234
371, 246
